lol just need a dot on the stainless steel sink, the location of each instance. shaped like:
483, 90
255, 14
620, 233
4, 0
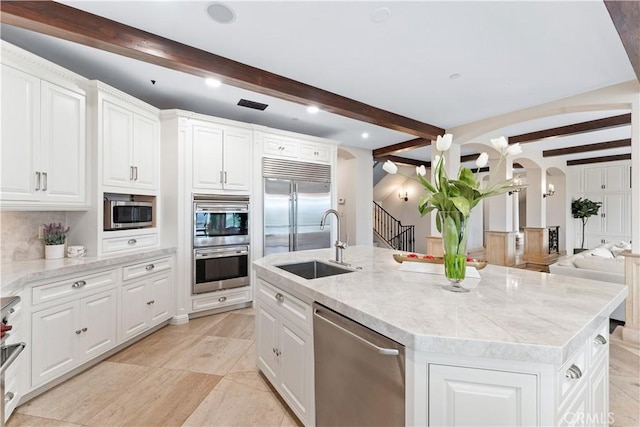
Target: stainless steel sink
314, 269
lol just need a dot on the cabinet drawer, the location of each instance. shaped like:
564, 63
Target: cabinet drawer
117, 244
577, 367
296, 310
598, 344
314, 152
220, 300
280, 147
72, 286
145, 268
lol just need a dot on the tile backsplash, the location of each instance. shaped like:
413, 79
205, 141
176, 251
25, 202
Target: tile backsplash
19, 234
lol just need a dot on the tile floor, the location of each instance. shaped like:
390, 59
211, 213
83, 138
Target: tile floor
204, 374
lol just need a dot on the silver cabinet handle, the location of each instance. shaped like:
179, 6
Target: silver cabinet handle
278, 352
279, 297
45, 181
135, 169
225, 177
78, 332
79, 284
150, 267
84, 329
573, 373
151, 302
38, 175
132, 242
130, 173
9, 397
600, 340
222, 299
380, 350
274, 350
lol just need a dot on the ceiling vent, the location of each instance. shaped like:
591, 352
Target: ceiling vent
252, 104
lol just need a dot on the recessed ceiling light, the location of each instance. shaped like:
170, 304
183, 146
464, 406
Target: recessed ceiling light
221, 13
455, 76
312, 109
365, 135
213, 82
380, 15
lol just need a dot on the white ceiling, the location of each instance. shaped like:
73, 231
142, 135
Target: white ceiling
509, 55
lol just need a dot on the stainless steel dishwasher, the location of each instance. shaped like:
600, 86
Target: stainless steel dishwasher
359, 374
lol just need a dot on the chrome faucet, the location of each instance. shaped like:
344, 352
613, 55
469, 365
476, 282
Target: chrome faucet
340, 245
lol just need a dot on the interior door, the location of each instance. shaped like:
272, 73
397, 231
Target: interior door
312, 200
278, 219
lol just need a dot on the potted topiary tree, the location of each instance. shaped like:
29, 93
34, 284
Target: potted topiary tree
583, 209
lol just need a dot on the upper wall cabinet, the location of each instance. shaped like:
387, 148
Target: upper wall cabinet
43, 140
606, 178
220, 157
129, 139
294, 147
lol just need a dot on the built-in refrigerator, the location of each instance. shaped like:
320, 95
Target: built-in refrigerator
296, 194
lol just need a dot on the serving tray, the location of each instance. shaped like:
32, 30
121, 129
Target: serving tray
471, 262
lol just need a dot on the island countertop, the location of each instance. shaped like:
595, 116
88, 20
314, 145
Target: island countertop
509, 314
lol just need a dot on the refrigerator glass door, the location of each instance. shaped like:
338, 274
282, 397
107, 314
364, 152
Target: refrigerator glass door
278, 220
312, 199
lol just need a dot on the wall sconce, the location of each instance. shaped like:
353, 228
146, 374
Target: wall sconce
405, 197
550, 191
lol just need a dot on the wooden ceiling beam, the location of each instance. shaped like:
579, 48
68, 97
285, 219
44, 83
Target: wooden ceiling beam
602, 159
403, 161
68, 23
626, 18
607, 122
588, 147
401, 146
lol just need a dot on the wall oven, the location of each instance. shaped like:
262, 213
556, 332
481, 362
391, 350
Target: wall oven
220, 243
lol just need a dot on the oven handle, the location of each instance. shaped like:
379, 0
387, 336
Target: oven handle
216, 254
12, 356
222, 208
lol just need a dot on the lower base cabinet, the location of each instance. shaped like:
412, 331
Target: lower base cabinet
69, 334
145, 303
285, 354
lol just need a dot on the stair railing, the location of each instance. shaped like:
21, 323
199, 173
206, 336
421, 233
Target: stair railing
391, 231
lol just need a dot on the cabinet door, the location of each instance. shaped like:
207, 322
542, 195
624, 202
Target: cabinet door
207, 158
599, 394
595, 224
98, 324
145, 152
615, 214
63, 144
135, 310
575, 413
592, 180
117, 143
479, 397
161, 297
267, 332
20, 143
615, 178
237, 155
295, 354
54, 342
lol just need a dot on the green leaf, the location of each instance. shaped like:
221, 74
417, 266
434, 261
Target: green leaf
439, 223
465, 175
426, 184
450, 235
462, 205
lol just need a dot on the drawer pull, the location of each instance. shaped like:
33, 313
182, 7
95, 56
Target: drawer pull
84, 329
600, 340
279, 297
78, 332
9, 397
573, 373
222, 299
150, 267
151, 302
132, 241
79, 284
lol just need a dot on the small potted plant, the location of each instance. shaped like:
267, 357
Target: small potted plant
582, 209
54, 236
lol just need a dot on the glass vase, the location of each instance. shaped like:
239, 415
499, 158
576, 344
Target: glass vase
455, 230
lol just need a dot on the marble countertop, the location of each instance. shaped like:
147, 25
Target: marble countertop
14, 275
509, 314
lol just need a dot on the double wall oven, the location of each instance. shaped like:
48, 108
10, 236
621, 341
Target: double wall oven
220, 243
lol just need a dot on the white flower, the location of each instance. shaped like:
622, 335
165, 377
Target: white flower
390, 167
482, 160
499, 143
514, 149
421, 170
443, 143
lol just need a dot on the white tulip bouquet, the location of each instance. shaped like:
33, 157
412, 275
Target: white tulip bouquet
454, 198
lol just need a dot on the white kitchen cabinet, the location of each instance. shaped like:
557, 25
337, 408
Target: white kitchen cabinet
130, 147
285, 348
43, 143
280, 146
68, 334
285, 146
606, 178
220, 157
460, 396
145, 301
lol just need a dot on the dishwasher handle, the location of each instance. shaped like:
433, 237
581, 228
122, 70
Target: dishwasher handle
11, 352
380, 350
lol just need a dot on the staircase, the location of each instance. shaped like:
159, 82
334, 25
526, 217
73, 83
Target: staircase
391, 232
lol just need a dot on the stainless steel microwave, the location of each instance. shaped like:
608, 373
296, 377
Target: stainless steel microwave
122, 214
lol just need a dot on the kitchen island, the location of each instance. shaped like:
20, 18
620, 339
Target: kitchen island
521, 348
